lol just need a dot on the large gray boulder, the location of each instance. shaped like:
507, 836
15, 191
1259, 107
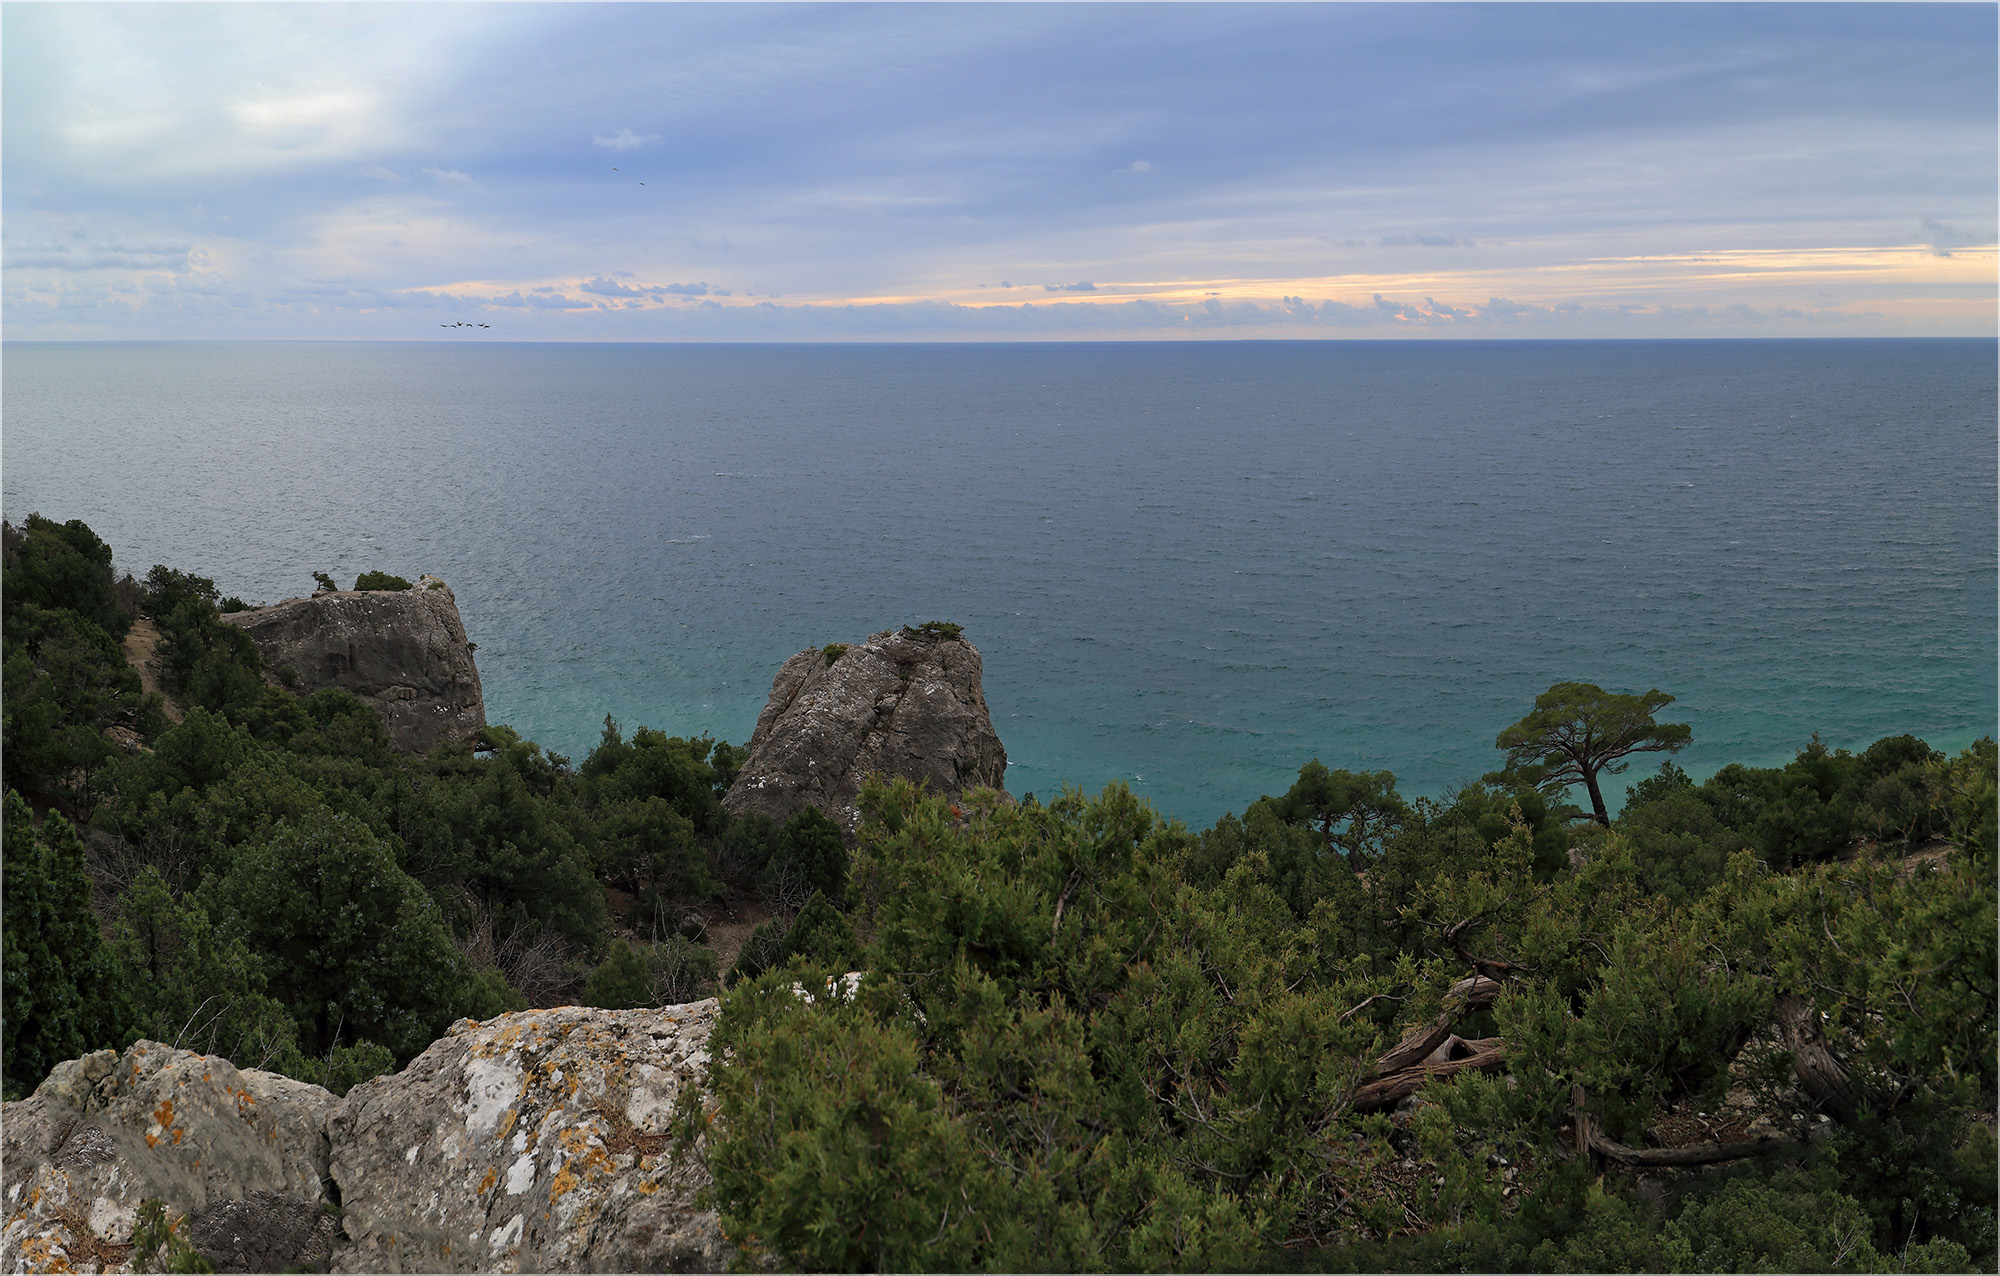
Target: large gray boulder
238, 1156
905, 703
403, 651
538, 1141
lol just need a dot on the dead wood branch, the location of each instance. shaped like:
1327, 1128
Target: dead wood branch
1821, 1074
1450, 1056
1590, 1137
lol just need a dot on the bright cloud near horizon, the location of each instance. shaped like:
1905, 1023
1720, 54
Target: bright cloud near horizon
996, 171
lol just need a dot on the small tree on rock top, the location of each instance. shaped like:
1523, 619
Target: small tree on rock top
1579, 731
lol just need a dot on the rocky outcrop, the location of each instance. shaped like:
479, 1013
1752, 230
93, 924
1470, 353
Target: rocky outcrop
403, 651
905, 703
242, 1155
533, 1142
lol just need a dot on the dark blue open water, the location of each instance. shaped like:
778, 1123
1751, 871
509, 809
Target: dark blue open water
1189, 566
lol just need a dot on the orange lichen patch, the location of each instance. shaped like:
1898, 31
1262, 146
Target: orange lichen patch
587, 1156
42, 1255
647, 1187
163, 1116
507, 1123
486, 1184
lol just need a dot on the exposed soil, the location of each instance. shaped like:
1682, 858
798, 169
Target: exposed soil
140, 640
730, 923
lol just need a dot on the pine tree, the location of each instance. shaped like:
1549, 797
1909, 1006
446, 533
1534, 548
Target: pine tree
63, 993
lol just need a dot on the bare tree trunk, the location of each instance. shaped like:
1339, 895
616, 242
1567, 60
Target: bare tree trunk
1821, 1074
1596, 797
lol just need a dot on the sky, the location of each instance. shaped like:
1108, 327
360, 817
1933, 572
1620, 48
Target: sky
906, 172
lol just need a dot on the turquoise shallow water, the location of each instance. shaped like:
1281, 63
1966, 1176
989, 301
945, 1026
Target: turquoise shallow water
1189, 566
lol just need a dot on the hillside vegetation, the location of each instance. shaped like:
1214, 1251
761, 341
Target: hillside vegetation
1745, 1024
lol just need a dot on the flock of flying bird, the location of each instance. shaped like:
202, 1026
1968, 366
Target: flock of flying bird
487, 325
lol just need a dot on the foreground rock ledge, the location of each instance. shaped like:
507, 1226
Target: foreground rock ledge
532, 1142
901, 704
403, 651
107, 1131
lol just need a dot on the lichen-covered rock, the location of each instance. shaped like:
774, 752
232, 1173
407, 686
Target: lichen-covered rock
904, 703
403, 651
108, 1131
537, 1141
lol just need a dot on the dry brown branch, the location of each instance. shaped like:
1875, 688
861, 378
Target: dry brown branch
1386, 1091
1591, 1138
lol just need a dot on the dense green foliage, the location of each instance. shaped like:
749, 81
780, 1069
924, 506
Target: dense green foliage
63, 995
1082, 1037
380, 581
1090, 1040
254, 873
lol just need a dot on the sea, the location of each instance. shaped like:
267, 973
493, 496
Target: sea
1189, 567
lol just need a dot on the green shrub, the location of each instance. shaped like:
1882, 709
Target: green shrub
933, 630
64, 996
834, 651
763, 949
325, 581
160, 1244
810, 857
380, 582
622, 983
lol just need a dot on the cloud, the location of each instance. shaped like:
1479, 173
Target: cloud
626, 140
117, 254
1138, 166
604, 287
452, 177
1082, 285
1947, 239
379, 173
1426, 241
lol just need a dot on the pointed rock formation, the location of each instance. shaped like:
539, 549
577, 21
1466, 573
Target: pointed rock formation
905, 703
403, 651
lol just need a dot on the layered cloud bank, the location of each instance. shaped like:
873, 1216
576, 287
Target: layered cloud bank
915, 172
